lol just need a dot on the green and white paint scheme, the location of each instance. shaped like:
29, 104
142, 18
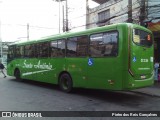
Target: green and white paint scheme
130, 66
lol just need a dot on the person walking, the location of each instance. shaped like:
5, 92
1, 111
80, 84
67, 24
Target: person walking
2, 68
156, 66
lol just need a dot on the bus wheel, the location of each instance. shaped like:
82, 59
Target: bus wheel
65, 83
18, 75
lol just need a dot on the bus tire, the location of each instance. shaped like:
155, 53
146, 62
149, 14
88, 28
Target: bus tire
65, 83
18, 75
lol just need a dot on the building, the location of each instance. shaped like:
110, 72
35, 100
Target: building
4, 52
142, 12
113, 11
153, 23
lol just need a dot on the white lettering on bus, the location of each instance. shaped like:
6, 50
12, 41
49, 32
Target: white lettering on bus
144, 60
39, 65
143, 68
27, 65
43, 66
35, 72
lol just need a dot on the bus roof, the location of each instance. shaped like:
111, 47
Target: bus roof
70, 34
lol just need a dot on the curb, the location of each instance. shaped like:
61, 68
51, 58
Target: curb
144, 93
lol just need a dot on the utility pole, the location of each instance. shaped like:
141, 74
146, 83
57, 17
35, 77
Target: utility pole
59, 12
27, 31
142, 13
87, 14
1, 44
63, 20
59, 16
130, 20
67, 15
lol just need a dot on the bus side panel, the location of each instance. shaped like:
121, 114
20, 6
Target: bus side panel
77, 68
10, 68
44, 70
13, 65
140, 67
58, 65
105, 73
27, 68
134, 84
108, 72
124, 53
47, 69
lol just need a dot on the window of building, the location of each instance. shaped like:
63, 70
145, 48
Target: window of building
104, 16
104, 44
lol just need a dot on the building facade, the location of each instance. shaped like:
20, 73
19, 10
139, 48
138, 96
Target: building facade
4, 52
142, 12
114, 11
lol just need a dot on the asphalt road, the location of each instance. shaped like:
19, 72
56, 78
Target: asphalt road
34, 96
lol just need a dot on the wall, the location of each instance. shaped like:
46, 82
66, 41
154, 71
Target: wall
118, 8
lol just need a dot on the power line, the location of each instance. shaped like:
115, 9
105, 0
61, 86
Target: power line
30, 26
113, 17
125, 8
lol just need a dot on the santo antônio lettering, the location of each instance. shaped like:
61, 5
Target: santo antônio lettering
39, 65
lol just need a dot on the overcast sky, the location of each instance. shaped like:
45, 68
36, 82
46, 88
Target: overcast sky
42, 16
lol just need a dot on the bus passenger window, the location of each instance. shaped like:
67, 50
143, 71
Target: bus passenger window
71, 47
18, 55
104, 44
61, 48
11, 52
110, 41
21, 51
44, 49
82, 43
96, 45
77, 46
36, 54
53, 49
29, 51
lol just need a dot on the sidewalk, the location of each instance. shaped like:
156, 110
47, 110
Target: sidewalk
151, 91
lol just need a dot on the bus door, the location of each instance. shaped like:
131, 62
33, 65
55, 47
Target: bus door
141, 55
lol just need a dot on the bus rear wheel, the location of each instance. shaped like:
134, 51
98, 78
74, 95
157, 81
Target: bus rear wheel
18, 75
65, 83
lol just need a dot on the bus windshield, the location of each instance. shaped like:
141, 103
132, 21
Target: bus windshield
142, 38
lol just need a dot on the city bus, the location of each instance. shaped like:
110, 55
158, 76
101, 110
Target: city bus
112, 57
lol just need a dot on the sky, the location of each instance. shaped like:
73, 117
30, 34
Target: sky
41, 15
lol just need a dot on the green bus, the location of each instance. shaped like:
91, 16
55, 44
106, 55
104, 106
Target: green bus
113, 57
